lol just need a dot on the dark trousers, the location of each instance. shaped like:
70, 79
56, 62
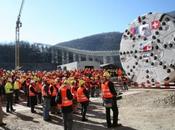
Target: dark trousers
84, 109
1, 112
68, 120
27, 95
115, 114
16, 91
46, 108
39, 97
9, 104
92, 91
33, 102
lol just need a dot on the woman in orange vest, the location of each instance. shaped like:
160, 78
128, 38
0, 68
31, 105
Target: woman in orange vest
83, 98
32, 96
109, 97
64, 98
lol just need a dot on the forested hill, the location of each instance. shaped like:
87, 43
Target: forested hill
98, 42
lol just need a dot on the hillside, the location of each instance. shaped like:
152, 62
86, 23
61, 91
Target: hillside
172, 13
98, 42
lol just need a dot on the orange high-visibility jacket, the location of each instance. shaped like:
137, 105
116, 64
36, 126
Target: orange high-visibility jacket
39, 86
30, 92
44, 93
106, 93
55, 91
81, 97
74, 92
65, 101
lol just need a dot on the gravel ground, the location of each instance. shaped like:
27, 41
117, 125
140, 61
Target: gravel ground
148, 110
140, 109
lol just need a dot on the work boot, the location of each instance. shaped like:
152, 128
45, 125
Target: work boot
116, 125
2, 124
84, 119
13, 110
33, 111
109, 126
48, 119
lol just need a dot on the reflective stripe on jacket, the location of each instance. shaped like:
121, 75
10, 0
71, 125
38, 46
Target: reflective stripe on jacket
65, 101
106, 93
81, 97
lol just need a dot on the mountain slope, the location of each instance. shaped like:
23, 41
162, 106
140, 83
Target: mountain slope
172, 13
98, 42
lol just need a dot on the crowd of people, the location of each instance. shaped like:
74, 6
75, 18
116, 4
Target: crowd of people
60, 92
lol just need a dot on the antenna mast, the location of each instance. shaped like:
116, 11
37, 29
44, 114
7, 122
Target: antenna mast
17, 36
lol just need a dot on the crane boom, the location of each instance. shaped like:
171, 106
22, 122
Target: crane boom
21, 8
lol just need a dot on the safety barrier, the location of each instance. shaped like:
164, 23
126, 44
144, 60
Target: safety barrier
156, 85
120, 86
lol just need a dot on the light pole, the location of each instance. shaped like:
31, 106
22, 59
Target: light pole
17, 37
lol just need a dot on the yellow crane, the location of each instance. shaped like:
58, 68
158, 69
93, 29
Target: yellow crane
17, 38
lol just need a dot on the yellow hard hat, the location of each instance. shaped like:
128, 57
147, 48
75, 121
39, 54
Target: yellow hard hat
66, 82
81, 82
106, 74
72, 82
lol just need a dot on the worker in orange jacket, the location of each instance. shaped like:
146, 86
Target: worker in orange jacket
53, 104
46, 94
83, 98
39, 88
32, 95
109, 96
64, 98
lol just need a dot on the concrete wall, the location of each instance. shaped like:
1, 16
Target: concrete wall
84, 64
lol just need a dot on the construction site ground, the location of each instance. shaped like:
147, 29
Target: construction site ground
139, 109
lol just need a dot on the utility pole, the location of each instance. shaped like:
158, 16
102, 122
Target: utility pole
17, 37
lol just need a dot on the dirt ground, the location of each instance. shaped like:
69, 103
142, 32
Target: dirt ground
140, 109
